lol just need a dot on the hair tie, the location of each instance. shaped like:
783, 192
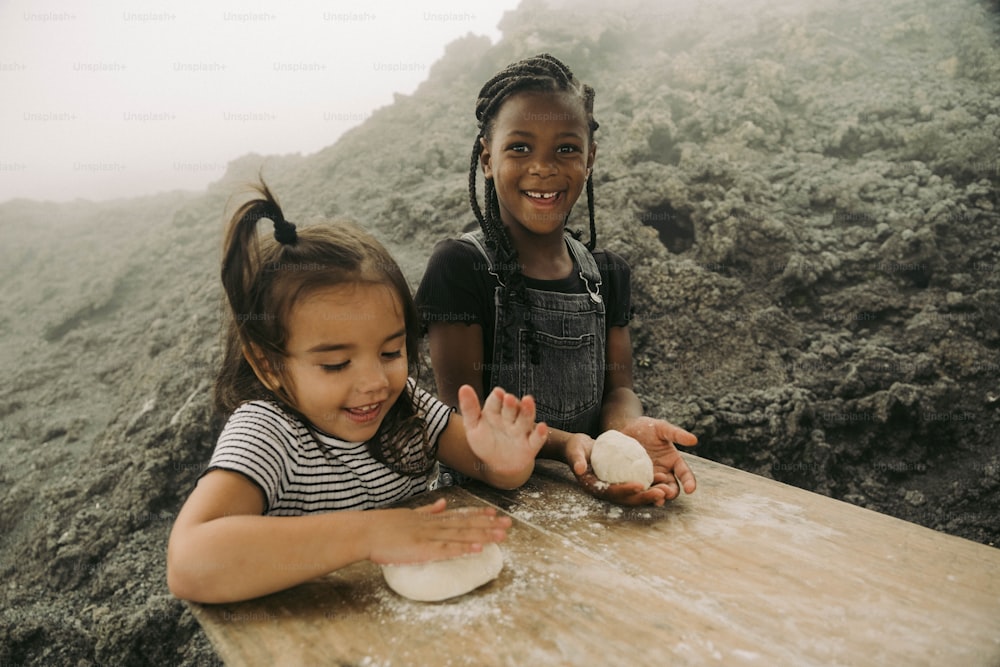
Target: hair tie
284, 231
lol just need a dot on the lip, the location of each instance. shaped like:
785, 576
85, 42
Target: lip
366, 416
544, 202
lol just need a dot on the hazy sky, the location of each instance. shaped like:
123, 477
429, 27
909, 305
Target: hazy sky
116, 98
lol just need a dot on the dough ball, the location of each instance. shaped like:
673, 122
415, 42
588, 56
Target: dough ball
443, 579
618, 458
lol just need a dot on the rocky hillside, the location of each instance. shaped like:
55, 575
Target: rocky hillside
808, 198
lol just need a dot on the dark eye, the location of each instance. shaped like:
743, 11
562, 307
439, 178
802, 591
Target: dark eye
518, 148
393, 355
333, 368
569, 148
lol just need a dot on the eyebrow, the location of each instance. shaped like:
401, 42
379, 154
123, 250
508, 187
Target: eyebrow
525, 133
333, 347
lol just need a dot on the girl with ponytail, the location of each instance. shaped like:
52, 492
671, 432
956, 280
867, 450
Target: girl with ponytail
326, 425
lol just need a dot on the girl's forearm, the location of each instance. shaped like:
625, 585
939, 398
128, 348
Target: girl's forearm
506, 479
499, 474
555, 446
245, 556
621, 406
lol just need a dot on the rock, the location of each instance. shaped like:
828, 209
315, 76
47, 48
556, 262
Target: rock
821, 287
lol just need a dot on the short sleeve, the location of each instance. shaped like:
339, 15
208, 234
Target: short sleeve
617, 277
255, 443
454, 287
435, 414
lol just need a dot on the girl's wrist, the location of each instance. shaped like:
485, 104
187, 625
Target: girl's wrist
509, 482
555, 446
361, 526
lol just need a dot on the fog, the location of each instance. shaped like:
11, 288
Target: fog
806, 194
115, 99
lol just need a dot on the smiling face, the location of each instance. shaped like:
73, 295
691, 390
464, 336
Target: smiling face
346, 356
539, 154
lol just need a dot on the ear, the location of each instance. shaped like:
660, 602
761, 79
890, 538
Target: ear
261, 368
485, 160
591, 158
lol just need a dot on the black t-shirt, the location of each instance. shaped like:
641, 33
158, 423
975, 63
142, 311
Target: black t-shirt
457, 287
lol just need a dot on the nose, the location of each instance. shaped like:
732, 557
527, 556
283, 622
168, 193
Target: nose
543, 166
373, 379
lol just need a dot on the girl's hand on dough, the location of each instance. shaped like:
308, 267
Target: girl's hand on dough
578, 449
432, 532
631, 494
577, 453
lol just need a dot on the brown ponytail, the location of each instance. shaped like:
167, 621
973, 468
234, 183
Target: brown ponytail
264, 277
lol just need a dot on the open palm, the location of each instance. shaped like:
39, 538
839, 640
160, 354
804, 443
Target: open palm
503, 433
660, 438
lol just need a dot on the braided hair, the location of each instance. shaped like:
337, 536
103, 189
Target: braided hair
541, 73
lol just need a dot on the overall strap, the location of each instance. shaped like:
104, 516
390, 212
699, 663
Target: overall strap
478, 239
590, 274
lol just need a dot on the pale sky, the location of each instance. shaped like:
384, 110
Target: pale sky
116, 98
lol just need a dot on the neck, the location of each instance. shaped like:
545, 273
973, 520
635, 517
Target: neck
544, 257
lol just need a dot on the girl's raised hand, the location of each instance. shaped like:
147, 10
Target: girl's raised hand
432, 533
503, 434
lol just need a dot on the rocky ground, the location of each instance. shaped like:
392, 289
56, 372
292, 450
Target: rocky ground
808, 199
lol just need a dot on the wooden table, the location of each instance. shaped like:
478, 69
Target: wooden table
746, 571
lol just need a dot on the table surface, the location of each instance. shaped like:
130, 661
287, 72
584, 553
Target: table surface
745, 571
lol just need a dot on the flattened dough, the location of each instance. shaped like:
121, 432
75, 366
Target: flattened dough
443, 579
618, 458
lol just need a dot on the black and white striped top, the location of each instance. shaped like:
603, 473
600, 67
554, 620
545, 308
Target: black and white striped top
302, 471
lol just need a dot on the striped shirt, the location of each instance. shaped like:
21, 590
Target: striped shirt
301, 471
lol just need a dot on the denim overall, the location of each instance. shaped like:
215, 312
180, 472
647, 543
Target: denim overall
568, 384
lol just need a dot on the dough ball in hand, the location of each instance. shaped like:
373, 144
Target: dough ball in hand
618, 458
442, 579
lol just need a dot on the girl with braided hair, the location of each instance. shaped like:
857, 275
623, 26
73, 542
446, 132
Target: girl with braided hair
523, 304
325, 422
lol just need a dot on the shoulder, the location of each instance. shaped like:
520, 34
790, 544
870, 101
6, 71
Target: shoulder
454, 284
268, 415
261, 440
615, 271
611, 263
435, 413
454, 250
262, 425
616, 275
453, 261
